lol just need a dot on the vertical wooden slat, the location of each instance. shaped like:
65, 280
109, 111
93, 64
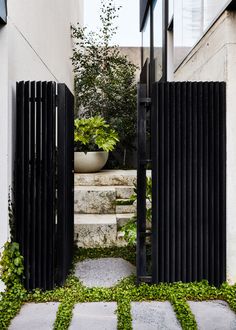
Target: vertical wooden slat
141, 184
38, 247
26, 184
194, 182
166, 211
212, 183
19, 170
200, 182
172, 182
205, 180
222, 180
51, 169
161, 113
32, 186
183, 181
44, 185
155, 184
65, 184
178, 171
216, 186
189, 193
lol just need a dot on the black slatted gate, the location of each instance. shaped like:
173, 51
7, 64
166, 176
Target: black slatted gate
189, 182
44, 181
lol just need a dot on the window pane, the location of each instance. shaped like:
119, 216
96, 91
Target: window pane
158, 38
146, 38
188, 27
211, 10
171, 10
191, 19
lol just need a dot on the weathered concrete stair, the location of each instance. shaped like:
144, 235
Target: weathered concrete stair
100, 206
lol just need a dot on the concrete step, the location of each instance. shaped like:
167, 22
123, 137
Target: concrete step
95, 200
95, 230
106, 178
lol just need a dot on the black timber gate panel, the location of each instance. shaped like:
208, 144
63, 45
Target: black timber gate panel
44, 182
188, 153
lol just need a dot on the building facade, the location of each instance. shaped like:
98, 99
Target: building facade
191, 40
35, 44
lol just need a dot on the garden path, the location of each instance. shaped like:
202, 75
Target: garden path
146, 315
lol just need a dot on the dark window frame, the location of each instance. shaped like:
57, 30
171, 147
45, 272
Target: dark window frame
145, 5
3, 12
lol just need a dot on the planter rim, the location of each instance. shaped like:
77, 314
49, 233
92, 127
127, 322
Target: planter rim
87, 152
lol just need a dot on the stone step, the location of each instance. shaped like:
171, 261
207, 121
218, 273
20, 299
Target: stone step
106, 178
95, 230
124, 192
122, 219
94, 200
124, 206
99, 200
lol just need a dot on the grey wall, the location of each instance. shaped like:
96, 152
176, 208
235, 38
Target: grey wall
134, 55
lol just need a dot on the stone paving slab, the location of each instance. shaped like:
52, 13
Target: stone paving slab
213, 315
34, 316
95, 315
103, 272
153, 316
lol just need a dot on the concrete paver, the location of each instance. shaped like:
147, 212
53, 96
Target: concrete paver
103, 272
213, 315
34, 316
153, 316
96, 315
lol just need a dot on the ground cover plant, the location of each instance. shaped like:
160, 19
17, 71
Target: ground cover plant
126, 291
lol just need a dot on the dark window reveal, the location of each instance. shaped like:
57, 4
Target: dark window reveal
3, 11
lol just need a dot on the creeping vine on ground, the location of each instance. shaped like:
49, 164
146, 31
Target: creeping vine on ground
124, 293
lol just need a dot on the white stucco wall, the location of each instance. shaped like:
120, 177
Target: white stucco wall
214, 59
3, 136
34, 45
40, 44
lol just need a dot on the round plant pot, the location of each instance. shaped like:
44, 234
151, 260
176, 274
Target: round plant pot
92, 161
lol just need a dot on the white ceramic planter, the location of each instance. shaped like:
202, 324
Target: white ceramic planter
92, 161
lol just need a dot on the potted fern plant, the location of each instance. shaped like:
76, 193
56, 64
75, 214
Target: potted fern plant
93, 140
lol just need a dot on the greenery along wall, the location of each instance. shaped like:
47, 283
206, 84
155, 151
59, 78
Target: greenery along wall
104, 78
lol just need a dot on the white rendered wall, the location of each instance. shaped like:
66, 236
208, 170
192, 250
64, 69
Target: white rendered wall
34, 45
214, 59
3, 140
3, 137
41, 46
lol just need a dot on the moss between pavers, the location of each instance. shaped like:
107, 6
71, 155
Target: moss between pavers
126, 291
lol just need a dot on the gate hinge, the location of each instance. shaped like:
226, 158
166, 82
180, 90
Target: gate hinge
145, 161
145, 279
146, 101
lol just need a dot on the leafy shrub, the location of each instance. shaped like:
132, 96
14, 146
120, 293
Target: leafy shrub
94, 134
11, 264
105, 78
130, 228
